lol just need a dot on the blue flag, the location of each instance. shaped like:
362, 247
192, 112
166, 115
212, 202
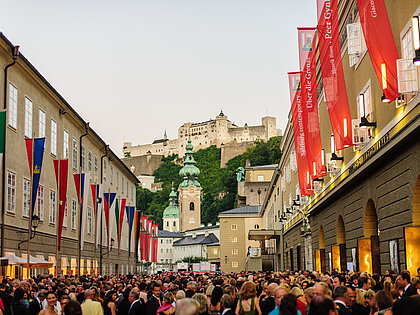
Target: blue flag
35, 165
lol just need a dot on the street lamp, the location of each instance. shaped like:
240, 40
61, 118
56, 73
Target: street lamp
34, 225
415, 27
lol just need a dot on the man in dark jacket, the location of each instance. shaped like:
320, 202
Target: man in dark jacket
153, 302
6, 298
36, 305
341, 300
137, 306
18, 306
404, 283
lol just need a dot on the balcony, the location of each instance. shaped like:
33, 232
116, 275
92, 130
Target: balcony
261, 258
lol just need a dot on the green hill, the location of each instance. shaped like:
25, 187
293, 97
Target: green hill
219, 184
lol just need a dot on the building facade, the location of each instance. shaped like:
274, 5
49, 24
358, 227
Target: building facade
35, 109
165, 256
219, 132
364, 215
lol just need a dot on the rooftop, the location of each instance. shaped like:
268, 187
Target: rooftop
245, 210
270, 166
201, 239
168, 234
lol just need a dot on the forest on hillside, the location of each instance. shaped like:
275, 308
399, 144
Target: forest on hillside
219, 184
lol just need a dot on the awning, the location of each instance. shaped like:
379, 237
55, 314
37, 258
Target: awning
263, 235
35, 263
12, 259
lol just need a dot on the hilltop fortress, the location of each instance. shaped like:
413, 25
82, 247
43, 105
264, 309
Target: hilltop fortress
220, 132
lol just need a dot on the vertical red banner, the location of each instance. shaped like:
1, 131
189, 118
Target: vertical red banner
298, 134
380, 44
149, 239
333, 74
309, 99
143, 235
61, 176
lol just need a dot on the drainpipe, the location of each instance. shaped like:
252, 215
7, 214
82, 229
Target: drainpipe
102, 180
87, 128
15, 54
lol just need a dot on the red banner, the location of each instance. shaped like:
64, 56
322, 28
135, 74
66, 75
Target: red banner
299, 135
61, 177
143, 237
149, 239
121, 220
380, 44
309, 99
333, 74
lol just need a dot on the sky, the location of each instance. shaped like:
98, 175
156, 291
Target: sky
134, 69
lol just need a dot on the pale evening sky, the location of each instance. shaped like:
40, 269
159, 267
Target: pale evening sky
135, 68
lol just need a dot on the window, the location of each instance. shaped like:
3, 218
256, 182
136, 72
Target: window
234, 264
127, 190
174, 223
65, 144
53, 137
95, 165
12, 106
233, 227
28, 118
26, 197
293, 161
234, 239
256, 227
65, 214
117, 179
74, 153
161, 250
407, 47
365, 111
167, 223
82, 159
104, 170
11, 192
234, 252
52, 206
40, 203
73, 214
41, 125
215, 251
112, 174
191, 206
89, 220
122, 184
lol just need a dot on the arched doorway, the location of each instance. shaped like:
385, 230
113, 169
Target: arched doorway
368, 247
339, 260
412, 233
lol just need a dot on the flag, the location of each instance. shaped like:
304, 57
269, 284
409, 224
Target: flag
155, 242
149, 239
97, 209
298, 134
130, 211
136, 228
120, 221
333, 74
380, 44
2, 134
309, 99
61, 168
143, 237
35, 151
82, 188
108, 201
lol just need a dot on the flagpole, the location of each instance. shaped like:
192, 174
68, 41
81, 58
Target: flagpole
107, 242
30, 210
57, 217
96, 219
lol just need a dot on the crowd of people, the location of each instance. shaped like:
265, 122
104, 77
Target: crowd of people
267, 293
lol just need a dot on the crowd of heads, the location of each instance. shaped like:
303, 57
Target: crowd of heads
284, 293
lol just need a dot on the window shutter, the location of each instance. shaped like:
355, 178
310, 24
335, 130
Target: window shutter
407, 76
354, 39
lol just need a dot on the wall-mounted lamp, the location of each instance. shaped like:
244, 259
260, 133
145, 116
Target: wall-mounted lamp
334, 156
289, 210
384, 99
363, 120
321, 180
415, 27
62, 111
400, 101
365, 123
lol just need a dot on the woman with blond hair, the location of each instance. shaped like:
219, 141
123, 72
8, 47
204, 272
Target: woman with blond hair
248, 302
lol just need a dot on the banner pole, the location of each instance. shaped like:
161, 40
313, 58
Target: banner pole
28, 274
57, 217
94, 237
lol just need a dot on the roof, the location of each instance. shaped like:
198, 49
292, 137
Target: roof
159, 141
211, 227
168, 234
269, 166
245, 210
201, 239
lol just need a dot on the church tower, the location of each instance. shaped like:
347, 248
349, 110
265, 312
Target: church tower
189, 192
171, 214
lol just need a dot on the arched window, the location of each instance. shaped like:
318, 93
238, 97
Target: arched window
174, 223
191, 206
167, 223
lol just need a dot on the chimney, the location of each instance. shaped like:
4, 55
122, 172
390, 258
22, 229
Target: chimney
194, 235
247, 163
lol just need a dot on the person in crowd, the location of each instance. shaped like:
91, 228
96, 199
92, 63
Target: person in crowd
268, 304
279, 293
137, 305
202, 301
51, 298
110, 303
36, 305
187, 306
338, 280
90, 307
72, 308
248, 301
226, 305
308, 293
341, 300
288, 305
154, 301
322, 305
17, 306
384, 302
167, 307
404, 284
64, 299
